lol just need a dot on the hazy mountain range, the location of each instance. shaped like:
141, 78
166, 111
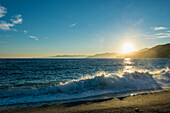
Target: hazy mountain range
159, 51
104, 55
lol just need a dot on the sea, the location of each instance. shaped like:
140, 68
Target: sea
38, 82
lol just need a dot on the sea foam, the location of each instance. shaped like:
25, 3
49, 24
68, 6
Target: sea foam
98, 84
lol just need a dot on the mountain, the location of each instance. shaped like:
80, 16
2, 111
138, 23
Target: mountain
104, 55
70, 56
159, 51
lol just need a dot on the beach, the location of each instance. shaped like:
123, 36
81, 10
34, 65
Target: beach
151, 102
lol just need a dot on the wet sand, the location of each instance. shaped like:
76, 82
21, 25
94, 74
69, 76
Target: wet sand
146, 103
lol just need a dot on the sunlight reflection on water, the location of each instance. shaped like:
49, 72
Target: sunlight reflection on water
128, 65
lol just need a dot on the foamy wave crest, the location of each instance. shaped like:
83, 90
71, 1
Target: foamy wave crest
101, 83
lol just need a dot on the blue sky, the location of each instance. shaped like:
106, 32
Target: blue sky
43, 28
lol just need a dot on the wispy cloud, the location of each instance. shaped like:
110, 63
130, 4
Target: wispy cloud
9, 26
72, 25
3, 11
5, 26
25, 31
158, 34
163, 35
140, 21
144, 36
34, 37
13, 29
18, 19
159, 28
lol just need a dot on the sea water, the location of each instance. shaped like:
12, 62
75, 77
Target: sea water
26, 81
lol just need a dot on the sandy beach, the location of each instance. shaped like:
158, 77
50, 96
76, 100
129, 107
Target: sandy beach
152, 102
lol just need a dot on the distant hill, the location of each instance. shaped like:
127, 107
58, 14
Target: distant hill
104, 55
159, 51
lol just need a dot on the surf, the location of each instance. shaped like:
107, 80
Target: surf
92, 85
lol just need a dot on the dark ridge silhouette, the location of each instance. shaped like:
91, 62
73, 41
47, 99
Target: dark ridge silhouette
159, 51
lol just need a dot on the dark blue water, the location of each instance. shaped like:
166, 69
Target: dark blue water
38, 80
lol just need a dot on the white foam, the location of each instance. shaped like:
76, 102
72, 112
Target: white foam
101, 83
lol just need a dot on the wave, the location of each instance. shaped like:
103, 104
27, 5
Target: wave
98, 84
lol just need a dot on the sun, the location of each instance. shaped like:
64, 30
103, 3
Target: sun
128, 47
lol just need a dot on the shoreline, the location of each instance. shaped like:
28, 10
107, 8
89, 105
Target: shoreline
94, 98
146, 102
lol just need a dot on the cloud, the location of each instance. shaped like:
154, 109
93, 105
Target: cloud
140, 21
9, 26
14, 29
25, 31
150, 35
18, 19
72, 25
66, 56
163, 35
3, 11
159, 28
158, 34
34, 37
5, 26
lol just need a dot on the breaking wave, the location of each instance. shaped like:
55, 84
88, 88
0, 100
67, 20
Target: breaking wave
98, 84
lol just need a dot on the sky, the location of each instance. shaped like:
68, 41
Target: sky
44, 28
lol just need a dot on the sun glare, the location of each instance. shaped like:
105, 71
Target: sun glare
128, 47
